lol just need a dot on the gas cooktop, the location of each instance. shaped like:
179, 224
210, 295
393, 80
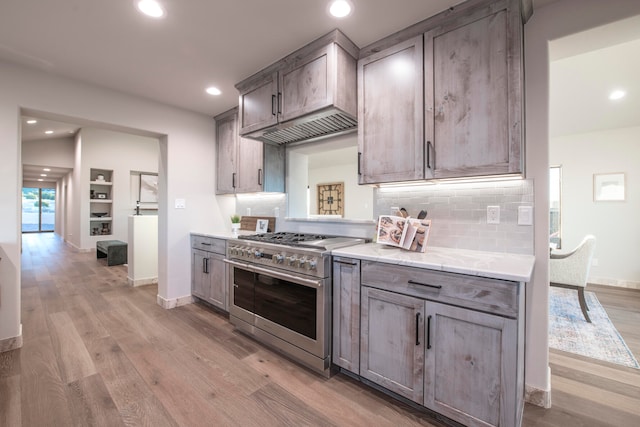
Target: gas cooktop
302, 240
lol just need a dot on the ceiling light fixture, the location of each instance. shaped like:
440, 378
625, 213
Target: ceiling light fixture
213, 91
32, 122
151, 8
48, 132
617, 94
340, 8
40, 179
43, 174
46, 169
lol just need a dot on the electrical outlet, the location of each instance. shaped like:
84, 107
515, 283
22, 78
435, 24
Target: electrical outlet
393, 210
276, 212
525, 215
493, 214
248, 211
181, 204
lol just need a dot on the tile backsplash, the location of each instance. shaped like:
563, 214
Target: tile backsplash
458, 212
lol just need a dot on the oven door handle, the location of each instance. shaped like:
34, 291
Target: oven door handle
277, 274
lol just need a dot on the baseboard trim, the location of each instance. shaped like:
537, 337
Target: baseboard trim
142, 282
173, 302
614, 282
9, 344
537, 397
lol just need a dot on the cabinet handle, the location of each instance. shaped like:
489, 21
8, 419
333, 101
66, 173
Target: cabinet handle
428, 332
273, 105
413, 282
418, 328
205, 244
429, 149
279, 102
233, 180
205, 266
259, 176
359, 158
345, 262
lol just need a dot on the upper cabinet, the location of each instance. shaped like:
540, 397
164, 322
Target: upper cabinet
309, 94
245, 165
446, 102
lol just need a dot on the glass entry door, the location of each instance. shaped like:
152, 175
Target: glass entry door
38, 209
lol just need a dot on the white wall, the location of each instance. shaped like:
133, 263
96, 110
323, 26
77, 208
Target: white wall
187, 152
549, 23
56, 152
615, 224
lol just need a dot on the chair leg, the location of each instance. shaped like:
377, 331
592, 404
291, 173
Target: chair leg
583, 304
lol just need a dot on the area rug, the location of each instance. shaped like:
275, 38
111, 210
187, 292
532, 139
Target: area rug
569, 331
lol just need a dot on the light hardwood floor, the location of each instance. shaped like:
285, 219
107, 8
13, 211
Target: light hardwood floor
98, 352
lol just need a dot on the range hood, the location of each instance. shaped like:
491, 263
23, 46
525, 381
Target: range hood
325, 124
308, 95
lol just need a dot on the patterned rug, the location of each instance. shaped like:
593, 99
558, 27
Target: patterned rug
569, 331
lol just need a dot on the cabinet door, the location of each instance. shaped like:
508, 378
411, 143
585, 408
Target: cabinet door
218, 281
470, 365
200, 278
392, 342
258, 104
390, 114
476, 130
226, 139
305, 86
346, 313
249, 178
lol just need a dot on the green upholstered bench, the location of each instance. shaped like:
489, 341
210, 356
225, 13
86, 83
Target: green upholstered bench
115, 251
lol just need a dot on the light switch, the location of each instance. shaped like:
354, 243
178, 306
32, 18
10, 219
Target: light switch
181, 204
525, 215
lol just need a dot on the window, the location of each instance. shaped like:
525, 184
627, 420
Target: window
555, 206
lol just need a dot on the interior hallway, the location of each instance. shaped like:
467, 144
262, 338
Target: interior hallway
99, 352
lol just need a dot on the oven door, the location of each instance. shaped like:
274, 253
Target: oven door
292, 308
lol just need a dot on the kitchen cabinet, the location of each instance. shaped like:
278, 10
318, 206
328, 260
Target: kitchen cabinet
443, 98
451, 342
245, 165
391, 342
100, 202
346, 313
208, 271
318, 79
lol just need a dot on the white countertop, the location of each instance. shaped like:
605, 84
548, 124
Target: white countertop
222, 234
476, 263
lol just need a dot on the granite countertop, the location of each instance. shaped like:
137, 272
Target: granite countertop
476, 263
225, 234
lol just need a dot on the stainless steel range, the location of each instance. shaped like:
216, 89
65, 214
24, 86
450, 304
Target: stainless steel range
280, 292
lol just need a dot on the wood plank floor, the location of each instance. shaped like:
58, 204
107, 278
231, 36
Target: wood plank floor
98, 352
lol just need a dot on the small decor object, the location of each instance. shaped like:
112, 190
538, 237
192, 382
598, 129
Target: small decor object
331, 199
235, 223
100, 177
609, 187
101, 195
262, 225
405, 233
99, 214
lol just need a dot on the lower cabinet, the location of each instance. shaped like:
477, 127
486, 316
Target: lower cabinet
208, 271
450, 342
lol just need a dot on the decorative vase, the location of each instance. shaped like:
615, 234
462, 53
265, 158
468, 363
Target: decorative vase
235, 227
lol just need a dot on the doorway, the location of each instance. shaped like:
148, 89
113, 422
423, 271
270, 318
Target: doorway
38, 209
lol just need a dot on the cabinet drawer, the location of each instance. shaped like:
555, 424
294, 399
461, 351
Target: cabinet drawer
209, 244
480, 293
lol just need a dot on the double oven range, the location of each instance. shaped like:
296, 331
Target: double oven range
280, 292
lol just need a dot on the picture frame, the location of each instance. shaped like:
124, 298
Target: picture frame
609, 187
148, 188
262, 226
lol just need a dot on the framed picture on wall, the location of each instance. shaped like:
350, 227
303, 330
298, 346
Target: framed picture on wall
609, 187
148, 188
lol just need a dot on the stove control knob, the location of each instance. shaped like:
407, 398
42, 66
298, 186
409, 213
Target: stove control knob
312, 264
242, 252
232, 250
293, 261
278, 259
257, 253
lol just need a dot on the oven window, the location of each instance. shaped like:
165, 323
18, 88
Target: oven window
243, 289
288, 304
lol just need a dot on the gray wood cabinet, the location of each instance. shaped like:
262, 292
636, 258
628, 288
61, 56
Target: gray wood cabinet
391, 342
319, 78
208, 271
451, 342
346, 313
443, 98
245, 165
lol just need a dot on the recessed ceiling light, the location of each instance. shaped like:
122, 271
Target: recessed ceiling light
32, 122
40, 179
43, 174
48, 132
617, 94
213, 91
46, 169
340, 8
151, 8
